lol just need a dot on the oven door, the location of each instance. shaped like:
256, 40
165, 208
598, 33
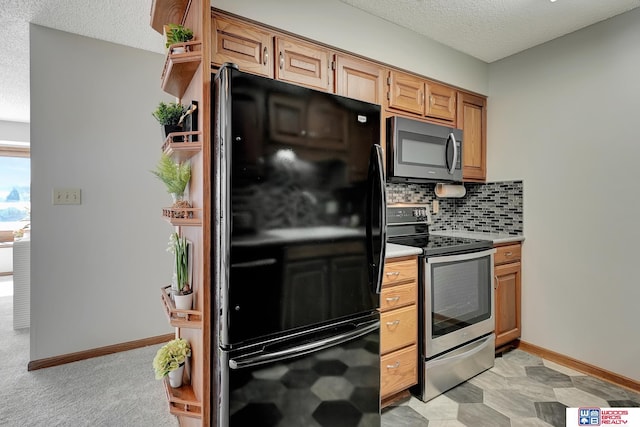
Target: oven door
458, 300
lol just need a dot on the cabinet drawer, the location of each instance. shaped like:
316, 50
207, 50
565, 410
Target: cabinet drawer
398, 296
398, 328
398, 371
400, 271
505, 254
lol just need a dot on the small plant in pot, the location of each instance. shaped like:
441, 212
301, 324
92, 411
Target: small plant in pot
176, 33
182, 292
175, 176
168, 115
170, 360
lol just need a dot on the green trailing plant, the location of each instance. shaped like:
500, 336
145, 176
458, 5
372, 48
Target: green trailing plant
170, 356
179, 247
168, 114
174, 175
176, 33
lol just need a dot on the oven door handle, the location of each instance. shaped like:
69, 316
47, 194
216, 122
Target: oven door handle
460, 257
261, 358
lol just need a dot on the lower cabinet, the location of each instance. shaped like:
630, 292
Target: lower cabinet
398, 326
507, 286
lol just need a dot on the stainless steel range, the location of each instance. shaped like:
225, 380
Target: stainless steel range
456, 300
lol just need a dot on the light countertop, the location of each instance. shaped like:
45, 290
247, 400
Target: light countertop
395, 251
496, 238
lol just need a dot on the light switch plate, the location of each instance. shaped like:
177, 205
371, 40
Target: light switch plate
66, 196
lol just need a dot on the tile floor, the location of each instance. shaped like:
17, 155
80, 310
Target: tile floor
521, 390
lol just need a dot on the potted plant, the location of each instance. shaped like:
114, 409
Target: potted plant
170, 360
181, 284
168, 115
176, 33
175, 176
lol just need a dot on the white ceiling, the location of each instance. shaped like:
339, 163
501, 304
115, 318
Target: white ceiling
486, 29
494, 29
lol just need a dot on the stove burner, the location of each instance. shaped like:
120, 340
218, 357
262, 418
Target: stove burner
408, 224
442, 245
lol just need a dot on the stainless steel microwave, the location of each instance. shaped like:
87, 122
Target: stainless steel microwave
423, 152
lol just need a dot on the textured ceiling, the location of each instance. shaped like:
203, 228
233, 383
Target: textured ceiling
486, 29
494, 29
119, 21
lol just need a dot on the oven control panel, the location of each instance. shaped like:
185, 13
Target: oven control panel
405, 213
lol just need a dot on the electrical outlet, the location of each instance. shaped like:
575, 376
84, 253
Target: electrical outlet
435, 206
66, 196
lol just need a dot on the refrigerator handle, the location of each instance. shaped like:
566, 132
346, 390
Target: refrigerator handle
306, 348
376, 223
222, 194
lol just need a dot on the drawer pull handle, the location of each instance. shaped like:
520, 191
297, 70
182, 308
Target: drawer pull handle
393, 273
265, 56
509, 253
394, 366
394, 323
393, 299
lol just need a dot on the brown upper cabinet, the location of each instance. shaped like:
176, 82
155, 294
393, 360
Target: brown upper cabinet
303, 63
271, 53
359, 79
472, 119
251, 48
412, 94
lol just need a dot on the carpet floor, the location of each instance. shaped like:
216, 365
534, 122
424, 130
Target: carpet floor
114, 390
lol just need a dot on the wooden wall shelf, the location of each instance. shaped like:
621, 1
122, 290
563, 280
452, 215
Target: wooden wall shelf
179, 318
182, 400
167, 12
183, 216
179, 68
181, 151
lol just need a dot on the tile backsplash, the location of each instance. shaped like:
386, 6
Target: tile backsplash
492, 207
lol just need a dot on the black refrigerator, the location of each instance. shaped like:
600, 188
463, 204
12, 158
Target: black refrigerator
298, 239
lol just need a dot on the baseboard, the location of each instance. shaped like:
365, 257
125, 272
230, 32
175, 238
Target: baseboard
580, 366
96, 352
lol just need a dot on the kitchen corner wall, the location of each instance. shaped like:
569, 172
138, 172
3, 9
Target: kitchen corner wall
96, 268
494, 207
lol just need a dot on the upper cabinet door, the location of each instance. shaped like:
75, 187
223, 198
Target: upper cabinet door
441, 101
472, 119
406, 93
303, 64
246, 46
359, 79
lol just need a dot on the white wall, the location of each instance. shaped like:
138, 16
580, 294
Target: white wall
96, 268
564, 117
14, 131
346, 27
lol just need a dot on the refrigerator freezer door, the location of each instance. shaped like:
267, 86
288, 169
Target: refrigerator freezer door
337, 386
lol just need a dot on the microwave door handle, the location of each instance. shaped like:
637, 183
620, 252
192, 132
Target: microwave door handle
452, 139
